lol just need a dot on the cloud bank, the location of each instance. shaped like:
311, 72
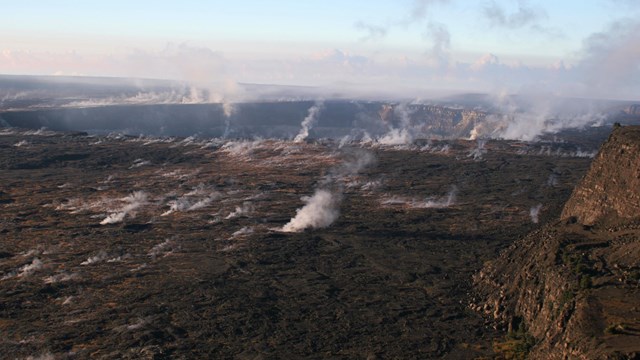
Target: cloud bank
603, 65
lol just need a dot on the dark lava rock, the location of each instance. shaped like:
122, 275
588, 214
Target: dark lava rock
167, 248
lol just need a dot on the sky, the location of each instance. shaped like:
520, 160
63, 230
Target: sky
576, 48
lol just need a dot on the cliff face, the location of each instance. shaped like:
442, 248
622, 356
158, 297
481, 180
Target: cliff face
612, 187
632, 110
574, 285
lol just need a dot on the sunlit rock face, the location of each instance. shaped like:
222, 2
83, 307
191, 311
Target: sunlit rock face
569, 289
612, 186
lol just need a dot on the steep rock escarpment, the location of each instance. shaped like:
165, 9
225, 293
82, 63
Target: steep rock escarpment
571, 290
435, 120
612, 186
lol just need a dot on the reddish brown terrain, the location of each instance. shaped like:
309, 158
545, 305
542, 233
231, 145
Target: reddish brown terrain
119, 247
571, 290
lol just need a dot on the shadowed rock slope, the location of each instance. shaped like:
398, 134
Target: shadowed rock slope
571, 290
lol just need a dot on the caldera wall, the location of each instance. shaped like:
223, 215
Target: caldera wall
612, 186
573, 286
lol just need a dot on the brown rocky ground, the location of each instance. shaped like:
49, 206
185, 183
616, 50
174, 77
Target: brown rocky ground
571, 290
195, 268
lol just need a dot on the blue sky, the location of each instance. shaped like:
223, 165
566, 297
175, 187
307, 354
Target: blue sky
313, 42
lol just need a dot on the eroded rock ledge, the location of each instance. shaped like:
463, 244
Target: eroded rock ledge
572, 288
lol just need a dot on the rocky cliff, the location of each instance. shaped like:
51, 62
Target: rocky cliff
571, 290
612, 187
632, 110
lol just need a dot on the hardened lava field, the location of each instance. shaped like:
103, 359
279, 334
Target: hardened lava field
122, 247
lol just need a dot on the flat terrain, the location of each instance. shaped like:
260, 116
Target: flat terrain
119, 247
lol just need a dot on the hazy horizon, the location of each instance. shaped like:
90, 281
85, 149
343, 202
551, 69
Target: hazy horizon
406, 49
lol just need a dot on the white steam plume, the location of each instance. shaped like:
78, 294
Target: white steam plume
429, 203
323, 208
534, 212
320, 211
396, 137
356, 161
190, 203
479, 151
229, 109
134, 201
184, 95
527, 116
443, 202
26, 270
102, 255
441, 48
402, 135
244, 210
309, 121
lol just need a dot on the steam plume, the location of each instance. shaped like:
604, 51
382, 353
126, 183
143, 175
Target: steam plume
443, 202
320, 211
404, 134
229, 109
441, 48
245, 210
479, 151
134, 201
429, 203
309, 122
323, 208
534, 212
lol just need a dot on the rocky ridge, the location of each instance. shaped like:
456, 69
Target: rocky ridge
571, 290
611, 187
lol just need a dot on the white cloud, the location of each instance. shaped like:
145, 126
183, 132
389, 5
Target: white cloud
610, 59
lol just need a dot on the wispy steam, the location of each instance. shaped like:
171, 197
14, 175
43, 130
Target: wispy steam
244, 210
323, 208
442, 202
228, 109
528, 116
189, 95
374, 32
428, 203
133, 202
419, 10
190, 202
355, 161
25, 270
479, 151
44, 356
101, 256
139, 162
242, 232
396, 137
404, 133
441, 43
240, 148
309, 121
164, 248
62, 277
320, 211
534, 212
